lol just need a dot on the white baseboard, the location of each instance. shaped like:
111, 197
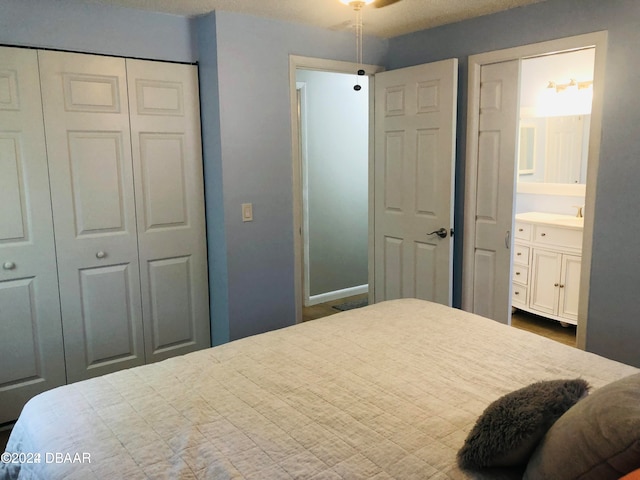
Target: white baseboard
335, 295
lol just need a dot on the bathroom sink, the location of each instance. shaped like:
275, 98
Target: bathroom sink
552, 219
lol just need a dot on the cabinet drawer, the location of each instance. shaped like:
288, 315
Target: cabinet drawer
523, 231
565, 237
521, 254
519, 295
521, 274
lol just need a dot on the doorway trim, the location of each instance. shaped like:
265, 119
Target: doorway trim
597, 40
336, 66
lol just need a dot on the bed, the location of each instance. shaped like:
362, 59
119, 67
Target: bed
388, 391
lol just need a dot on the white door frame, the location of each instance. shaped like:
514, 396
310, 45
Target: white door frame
597, 40
311, 63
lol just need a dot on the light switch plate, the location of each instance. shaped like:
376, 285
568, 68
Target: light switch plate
247, 212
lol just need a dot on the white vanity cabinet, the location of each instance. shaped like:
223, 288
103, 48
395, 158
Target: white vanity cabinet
546, 265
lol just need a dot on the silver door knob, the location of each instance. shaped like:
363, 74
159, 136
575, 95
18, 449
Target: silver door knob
101, 254
442, 232
8, 265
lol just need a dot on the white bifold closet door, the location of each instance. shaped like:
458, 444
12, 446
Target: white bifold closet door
86, 114
31, 353
124, 152
167, 159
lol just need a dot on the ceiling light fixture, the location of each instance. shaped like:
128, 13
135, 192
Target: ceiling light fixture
357, 6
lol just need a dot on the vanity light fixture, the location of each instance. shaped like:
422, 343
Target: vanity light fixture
572, 98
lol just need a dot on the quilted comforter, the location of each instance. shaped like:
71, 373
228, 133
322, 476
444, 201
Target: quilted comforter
388, 391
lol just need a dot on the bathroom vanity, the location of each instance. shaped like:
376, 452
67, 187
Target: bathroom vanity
547, 255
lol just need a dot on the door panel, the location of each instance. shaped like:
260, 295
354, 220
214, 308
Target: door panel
484, 285
426, 257
427, 172
170, 294
163, 178
96, 165
19, 348
570, 286
89, 150
31, 351
108, 320
393, 255
546, 268
499, 97
415, 115
165, 129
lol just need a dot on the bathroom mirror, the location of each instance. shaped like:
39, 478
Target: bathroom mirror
553, 149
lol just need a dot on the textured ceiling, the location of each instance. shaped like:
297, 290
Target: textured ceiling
403, 17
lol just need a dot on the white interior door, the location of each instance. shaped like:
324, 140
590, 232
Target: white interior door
31, 352
415, 126
89, 150
167, 159
499, 97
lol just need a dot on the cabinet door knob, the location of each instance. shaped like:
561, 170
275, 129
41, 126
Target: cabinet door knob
555, 284
561, 286
543, 234
517, 273
9, 265
101, 254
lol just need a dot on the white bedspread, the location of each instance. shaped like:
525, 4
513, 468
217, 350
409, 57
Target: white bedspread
387, 391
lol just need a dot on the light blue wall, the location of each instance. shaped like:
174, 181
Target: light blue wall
214, 188
337, 172
613, 326
76, 26
255, 159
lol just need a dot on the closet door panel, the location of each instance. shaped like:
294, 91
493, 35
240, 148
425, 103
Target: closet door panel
107, 314
97, 181
31, 352
167, 158
86, 116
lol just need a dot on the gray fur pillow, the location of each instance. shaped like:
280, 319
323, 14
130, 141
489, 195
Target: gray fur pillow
511, 427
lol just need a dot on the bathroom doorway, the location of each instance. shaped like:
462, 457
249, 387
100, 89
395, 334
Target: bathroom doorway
555, 101
486, 192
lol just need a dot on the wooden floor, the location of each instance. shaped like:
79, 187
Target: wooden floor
520, 319
545, 327
326, 309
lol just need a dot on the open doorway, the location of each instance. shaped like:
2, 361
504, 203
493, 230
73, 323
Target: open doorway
298, 97
553, 142
333, 122
489, 192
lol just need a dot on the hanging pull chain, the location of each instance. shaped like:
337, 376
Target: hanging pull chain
357, 6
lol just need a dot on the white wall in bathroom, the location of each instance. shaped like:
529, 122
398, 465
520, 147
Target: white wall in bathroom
528, 202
